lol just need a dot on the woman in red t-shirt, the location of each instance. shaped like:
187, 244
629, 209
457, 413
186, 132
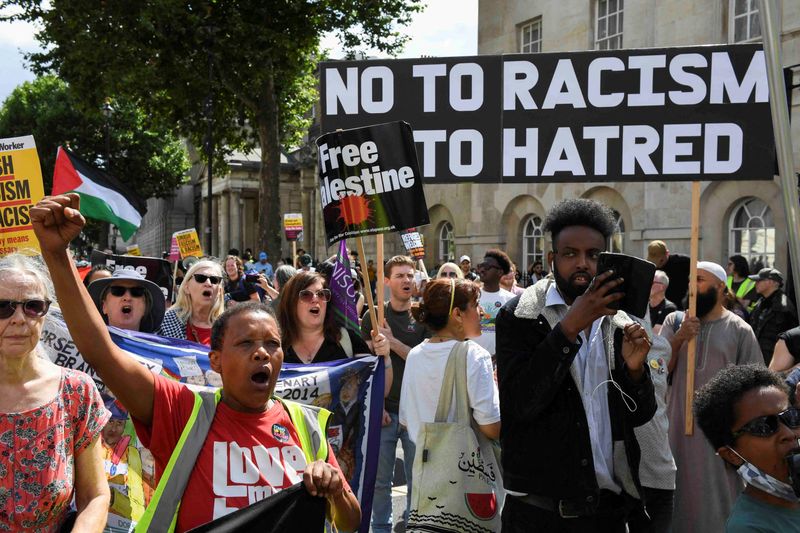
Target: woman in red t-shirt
200, 301
246, 352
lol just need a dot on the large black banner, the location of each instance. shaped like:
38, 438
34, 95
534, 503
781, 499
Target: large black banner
369, 181
159, 271
672, 114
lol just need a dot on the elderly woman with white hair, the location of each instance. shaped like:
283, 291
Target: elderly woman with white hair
50, 418
200, 301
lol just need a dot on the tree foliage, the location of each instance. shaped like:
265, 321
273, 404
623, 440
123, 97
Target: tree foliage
148, 158
263, 57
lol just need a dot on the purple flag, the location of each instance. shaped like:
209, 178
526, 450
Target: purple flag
343, 291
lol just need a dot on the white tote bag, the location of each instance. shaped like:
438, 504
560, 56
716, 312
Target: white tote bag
456, 482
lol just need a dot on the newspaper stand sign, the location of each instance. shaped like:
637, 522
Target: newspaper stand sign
369, 181
20, 189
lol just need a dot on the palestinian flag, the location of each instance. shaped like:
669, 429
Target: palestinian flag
103, 197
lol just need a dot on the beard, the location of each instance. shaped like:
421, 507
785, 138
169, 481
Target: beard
568, 289
706, 301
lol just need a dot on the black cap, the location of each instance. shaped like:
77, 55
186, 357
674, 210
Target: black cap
768, 273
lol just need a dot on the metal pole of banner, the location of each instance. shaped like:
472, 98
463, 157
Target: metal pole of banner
770, 32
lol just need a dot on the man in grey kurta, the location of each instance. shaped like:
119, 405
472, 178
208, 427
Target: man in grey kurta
705, 488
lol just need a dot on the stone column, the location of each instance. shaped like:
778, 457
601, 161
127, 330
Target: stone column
236, 240
223, 216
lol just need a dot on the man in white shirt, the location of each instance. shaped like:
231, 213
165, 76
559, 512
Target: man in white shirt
495, 265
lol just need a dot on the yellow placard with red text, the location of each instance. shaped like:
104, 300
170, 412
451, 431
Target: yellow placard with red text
188, 243
133, 249
20, 189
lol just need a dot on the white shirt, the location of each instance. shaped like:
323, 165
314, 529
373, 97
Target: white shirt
422, 384
491, 302
592, 367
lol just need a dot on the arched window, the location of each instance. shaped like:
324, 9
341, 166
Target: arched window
532, 242
752, 233
447, 244
618, 237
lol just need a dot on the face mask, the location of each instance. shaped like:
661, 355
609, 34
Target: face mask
752, 475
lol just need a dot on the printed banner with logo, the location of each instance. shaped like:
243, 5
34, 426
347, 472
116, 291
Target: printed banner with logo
20, 189
369, 181
668, 114
352, 389
159, 271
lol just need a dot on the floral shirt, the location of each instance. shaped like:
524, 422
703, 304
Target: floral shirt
37, 454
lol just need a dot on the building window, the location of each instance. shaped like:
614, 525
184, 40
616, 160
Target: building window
608, 32
744, 22
532, 242
752, 233
447, 244
615, 245
530, 37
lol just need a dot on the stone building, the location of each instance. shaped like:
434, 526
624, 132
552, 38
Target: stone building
745, 217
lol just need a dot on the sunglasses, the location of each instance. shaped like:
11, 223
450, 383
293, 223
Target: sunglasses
448, 275
308, 296
119, 291
201, 278
767, 425
32, 308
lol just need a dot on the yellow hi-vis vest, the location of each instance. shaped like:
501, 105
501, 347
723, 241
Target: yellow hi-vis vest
743, 289
162, 513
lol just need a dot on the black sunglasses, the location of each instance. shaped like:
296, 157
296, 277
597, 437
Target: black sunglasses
32, 308
201, 278
767, 425
448, 275
119, 291
308, 295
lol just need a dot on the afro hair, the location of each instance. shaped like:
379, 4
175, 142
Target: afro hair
501, 257
579, 212
715, 403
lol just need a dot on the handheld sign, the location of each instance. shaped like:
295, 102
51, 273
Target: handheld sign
370, 181
20, 188
655, 114
133, 249
412, 240
188, 243
174, 251
293, 226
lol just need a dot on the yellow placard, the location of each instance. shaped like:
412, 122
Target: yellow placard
133, 249
188, 243
20, 189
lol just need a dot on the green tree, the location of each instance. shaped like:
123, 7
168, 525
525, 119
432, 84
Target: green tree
262, 53
144, 155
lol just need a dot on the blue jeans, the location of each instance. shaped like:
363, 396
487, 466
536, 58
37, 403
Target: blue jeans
382, 502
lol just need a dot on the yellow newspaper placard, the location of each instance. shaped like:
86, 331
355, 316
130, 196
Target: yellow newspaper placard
188, 243
20, 189
133, 249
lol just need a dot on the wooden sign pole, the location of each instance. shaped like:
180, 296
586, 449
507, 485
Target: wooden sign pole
379, 277
368, 292
294, 253
691, 346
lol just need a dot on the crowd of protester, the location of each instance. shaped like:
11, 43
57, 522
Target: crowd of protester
586, 402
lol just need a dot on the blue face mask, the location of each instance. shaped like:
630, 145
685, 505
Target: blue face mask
752, 475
